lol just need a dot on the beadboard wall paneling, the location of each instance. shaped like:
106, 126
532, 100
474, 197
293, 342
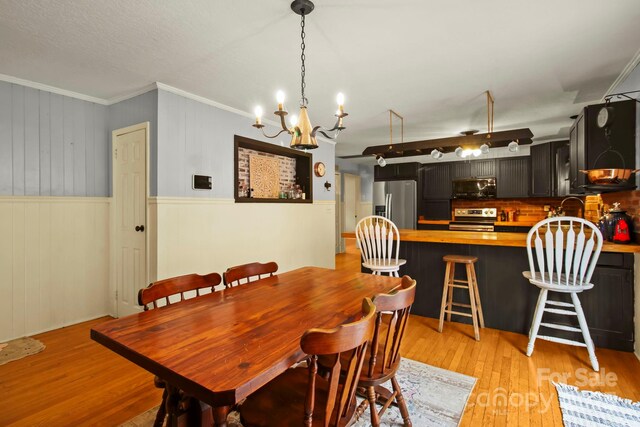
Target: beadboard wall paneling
54, 262
132, 111
204, 235
51, 145
196, 138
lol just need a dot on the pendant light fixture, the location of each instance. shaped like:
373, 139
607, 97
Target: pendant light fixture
303, 135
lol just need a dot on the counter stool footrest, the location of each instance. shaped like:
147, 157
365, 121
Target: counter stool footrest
458, 286
559, 311
460, 281
560, 327
458, 313
460, 304
560, 303
562, 340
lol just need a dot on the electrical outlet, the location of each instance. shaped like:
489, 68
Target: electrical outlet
547, 208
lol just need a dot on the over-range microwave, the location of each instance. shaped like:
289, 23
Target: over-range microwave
474, 188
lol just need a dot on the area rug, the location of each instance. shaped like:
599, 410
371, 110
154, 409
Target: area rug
17, 349
592, 408
434, 396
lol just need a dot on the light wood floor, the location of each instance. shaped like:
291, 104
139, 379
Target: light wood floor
76, 381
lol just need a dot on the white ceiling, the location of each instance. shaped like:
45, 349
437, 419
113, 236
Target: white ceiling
430, 61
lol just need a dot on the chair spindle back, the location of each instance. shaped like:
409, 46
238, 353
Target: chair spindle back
235, 275
564, 257
162, 290
377, 238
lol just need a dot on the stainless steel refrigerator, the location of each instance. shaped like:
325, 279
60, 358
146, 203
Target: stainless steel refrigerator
396, 200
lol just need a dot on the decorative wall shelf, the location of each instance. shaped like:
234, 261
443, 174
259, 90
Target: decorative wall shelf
296, 168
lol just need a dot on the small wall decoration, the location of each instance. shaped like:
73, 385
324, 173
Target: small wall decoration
264, 177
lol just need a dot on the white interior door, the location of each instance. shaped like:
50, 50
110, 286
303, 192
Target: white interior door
130, 200
351, 200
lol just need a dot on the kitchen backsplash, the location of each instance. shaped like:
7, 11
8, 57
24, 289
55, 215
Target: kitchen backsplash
528, 209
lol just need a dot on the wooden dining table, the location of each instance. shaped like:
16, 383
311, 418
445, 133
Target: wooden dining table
221, 347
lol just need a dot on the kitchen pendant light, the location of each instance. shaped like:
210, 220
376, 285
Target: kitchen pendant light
303, 134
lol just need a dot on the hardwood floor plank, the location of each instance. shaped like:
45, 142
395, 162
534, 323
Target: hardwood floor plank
76, 381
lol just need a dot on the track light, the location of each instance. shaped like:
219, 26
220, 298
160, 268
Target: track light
459, 152
513, 146
381, 161
436, 154
484, 148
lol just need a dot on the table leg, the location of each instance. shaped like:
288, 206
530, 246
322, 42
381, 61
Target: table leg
220, 416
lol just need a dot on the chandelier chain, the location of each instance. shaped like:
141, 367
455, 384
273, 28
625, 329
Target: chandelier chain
303, 99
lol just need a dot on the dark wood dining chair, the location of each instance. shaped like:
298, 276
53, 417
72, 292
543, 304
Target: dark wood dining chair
300, 396
235, 276
383, 358
158, 294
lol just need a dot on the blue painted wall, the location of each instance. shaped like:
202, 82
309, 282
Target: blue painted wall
139, 109
51, 145
196, 138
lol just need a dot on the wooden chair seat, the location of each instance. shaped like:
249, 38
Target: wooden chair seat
300, 396
461, 259
286, 395
384, 265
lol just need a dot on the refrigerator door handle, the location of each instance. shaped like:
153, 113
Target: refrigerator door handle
387, 206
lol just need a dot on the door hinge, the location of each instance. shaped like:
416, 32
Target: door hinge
116, 153
116, 295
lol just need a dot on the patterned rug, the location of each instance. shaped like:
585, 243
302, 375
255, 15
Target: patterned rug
17, 349
582, 408
434, 396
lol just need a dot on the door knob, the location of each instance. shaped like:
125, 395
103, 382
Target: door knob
139, 227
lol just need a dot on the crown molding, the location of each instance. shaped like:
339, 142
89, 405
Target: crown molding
142, 90
635, 60
52, 89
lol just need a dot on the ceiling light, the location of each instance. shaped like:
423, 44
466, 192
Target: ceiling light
303, 135
513, 146
484, 148
459, 152
476, 152
436, 154
381, 161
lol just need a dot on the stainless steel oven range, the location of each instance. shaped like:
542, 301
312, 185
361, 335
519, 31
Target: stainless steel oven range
474, 219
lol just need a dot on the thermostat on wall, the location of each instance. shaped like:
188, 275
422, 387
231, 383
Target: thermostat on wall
201, 182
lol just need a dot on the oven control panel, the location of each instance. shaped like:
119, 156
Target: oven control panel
477, 212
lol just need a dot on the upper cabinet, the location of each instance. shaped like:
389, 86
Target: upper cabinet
512, 179
541, 170
396, 172
589, 143
436, 180
483, 168
461, 170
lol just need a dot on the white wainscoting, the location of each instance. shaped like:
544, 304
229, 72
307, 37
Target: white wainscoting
54, 262
205, 235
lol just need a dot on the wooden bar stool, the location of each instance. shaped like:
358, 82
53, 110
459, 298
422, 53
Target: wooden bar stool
450, 282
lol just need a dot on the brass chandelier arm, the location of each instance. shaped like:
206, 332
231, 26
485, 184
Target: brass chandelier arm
261, 127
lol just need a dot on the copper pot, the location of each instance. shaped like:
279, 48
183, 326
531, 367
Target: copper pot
609, 176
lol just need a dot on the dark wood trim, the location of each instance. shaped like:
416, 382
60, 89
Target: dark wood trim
304, 165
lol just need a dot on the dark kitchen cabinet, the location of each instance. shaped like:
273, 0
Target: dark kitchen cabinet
473, 169
589, 143
396, 172
436, 181
436, 209
541, 170
461, 170
483, 168
560, 165
513, 177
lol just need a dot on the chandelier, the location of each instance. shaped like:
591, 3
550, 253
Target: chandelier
303, 135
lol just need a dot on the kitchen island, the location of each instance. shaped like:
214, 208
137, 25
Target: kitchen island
508, 299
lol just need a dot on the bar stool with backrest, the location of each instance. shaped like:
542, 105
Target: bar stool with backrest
246, 273
379, 242
164, 293
300, 396
566, 261
471, 284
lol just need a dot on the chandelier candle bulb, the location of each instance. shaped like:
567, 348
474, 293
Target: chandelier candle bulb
280, 100
258, 113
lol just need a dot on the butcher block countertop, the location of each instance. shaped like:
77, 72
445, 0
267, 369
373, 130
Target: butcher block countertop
485, 238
